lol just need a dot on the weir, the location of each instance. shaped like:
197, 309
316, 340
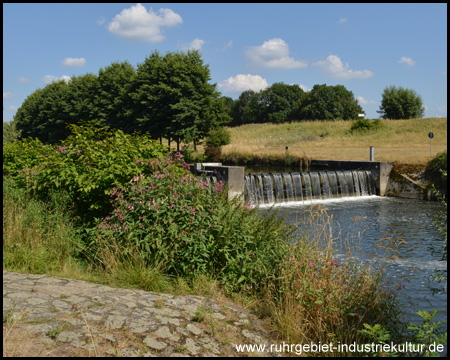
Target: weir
296, 186
330, 179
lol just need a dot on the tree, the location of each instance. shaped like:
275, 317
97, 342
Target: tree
113, 104
173, 97
401, 103
82, 98
10, 133
45, 113
246, 109
277, 102
327, 103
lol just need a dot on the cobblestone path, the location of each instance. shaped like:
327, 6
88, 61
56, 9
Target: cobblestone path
51, 316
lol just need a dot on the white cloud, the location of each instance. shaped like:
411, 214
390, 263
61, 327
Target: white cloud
363, 101
334, 67
242, 82
47, 79
407, 60
305, 88
273, 53
195, 44
77, 62
228, 45
138, 24
342, 20
24, 80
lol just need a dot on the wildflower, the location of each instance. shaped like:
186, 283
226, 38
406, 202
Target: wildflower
292, 259
310, 264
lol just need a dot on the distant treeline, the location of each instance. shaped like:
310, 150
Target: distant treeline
282, 103
170, 97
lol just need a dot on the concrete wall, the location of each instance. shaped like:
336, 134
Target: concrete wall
233, 176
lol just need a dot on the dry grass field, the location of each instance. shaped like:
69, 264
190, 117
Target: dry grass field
402, 141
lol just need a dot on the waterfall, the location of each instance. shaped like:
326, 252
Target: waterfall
307, 181
285, 187
342, 183
315, 185
326, 191
288, 186
333, 183
297, 186
268, 188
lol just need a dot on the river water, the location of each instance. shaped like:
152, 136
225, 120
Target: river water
361, 223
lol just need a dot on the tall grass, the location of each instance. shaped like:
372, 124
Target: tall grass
38, 237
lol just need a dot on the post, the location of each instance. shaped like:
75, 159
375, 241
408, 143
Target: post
372, 153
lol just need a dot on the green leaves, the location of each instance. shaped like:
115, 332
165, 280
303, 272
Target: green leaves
401, 103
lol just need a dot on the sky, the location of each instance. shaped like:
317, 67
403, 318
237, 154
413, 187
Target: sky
365, 47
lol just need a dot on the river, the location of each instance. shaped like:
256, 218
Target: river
362, 222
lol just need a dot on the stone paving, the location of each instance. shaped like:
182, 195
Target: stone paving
54, 316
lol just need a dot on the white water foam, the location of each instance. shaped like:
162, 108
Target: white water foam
319, 201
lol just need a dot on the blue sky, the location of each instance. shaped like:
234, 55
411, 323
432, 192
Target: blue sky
365, 47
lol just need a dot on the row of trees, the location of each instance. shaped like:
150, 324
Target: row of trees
167, 96
171, 96
281, 103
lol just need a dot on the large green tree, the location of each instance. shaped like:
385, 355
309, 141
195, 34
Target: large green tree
246, 109
277, 102
113, 103
173, 98
82, 98
401, 103
45, 113
327, 103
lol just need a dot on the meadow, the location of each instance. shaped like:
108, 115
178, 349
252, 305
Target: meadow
400, 141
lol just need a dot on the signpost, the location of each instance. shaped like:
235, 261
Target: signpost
431, 136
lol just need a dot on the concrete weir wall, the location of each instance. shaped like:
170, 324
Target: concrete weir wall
380, 170
233, 176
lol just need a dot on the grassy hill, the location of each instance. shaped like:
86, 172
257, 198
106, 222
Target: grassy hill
401, 141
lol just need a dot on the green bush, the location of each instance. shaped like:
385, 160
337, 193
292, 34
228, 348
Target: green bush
187, 227
214, 142
364, 125
86, 165
24, 154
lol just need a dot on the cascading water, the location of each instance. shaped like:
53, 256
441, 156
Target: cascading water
276, 188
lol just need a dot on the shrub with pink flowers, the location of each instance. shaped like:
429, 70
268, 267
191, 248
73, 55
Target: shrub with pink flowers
187, 227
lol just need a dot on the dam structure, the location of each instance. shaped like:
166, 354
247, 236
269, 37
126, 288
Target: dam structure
307, 186
325, 180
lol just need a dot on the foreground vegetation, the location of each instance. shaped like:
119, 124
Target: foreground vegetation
120, 210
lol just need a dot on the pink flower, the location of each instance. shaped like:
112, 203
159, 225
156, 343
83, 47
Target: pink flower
310, 264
